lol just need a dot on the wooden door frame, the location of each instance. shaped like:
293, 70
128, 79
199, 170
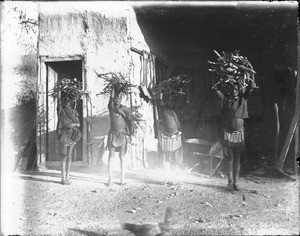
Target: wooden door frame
42, 108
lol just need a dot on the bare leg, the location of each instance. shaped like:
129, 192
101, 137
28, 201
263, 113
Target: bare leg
69, 161
236, 169
178, 158
166, 159
145, 163
122, 163
229, 168
63, 168
110, 171
173, 160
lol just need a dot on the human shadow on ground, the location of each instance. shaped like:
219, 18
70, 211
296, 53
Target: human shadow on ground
32, 175
30, 178
131, 178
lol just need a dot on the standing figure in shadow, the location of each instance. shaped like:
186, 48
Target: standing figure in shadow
67, 134
171, 136
234, 111
120, 128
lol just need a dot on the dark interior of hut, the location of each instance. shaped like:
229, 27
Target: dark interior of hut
184, 37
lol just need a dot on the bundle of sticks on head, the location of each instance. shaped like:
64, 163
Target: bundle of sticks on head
232, 69
67, 90
176, 85
119, 83
115, 81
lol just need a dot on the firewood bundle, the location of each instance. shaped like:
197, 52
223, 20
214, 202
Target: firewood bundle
175, 85
115, 81
232, 69
67, 90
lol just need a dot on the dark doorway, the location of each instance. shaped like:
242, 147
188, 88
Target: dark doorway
56, 71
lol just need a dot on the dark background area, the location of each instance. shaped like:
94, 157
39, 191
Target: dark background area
184, 36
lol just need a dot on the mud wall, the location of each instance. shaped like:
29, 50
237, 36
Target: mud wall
103, 36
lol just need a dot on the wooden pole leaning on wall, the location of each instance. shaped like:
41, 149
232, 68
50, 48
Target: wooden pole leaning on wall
155, 109
277, 169
277, 134
288, 140
297, 151
297, 104
294, 127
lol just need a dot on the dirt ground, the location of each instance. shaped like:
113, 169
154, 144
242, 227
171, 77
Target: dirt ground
35, 203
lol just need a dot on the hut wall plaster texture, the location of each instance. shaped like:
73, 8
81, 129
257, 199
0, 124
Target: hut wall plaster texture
103, 35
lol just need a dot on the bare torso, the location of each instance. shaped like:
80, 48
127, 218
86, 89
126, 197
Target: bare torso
117, 121
234, 124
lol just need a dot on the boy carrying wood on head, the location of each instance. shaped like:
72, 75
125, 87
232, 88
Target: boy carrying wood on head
120, 120
170, 141
234, 112
67, 92
235, 84
120, 127
68, 134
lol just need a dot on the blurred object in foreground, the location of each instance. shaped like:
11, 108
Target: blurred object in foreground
153, 229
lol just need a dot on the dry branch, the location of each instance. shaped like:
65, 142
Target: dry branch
175, 85
67, 90
116, 81
232, 69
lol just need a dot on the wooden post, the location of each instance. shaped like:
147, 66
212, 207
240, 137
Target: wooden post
155, 109
131, 105
288, 140
297, 106
88, 135
277, 134
297, 152
145, 69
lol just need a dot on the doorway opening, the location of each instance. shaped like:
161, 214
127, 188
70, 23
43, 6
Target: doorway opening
57, 71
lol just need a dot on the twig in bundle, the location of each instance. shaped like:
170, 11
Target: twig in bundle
67, 90
232, 69
175, 85
115, 81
